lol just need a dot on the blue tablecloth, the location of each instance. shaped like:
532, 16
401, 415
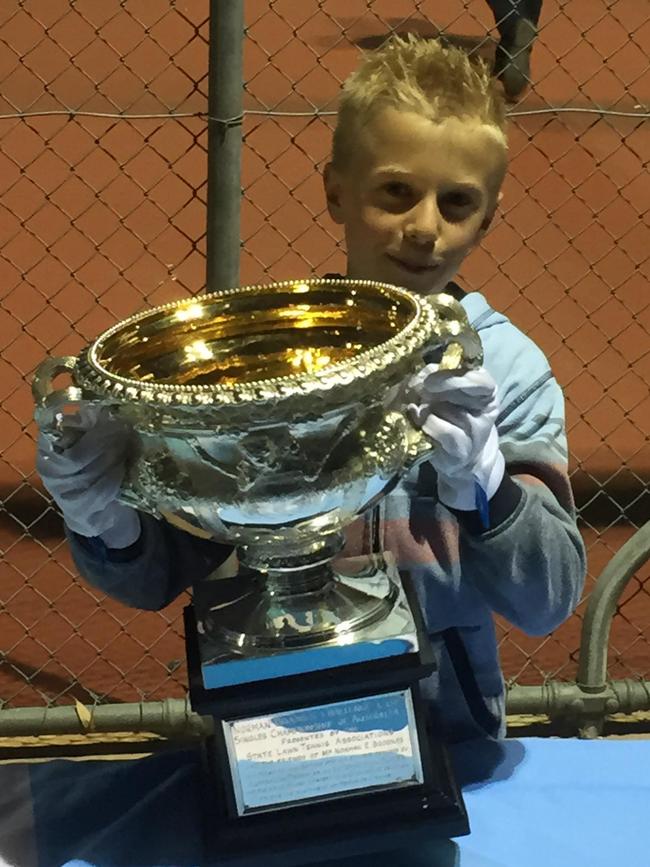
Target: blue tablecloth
531, 802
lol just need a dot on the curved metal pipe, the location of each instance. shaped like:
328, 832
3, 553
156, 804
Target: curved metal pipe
592, 668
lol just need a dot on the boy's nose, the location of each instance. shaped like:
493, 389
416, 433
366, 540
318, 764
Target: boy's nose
422, 224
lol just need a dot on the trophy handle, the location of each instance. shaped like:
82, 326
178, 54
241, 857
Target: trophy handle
457, 347
461, 346
50, 401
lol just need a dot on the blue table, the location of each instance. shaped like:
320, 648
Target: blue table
531, 802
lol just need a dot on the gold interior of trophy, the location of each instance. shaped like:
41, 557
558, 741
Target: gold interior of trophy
258, 334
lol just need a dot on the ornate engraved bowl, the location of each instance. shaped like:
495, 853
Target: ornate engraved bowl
267, 416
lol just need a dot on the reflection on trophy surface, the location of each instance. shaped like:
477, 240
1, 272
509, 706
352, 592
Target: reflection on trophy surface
271, 417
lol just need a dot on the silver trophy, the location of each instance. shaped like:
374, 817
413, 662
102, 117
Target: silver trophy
272, 417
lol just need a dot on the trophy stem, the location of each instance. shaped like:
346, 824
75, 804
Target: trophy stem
294, 574
285, 584
299, 602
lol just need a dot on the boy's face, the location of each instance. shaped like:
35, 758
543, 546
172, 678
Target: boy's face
417, 197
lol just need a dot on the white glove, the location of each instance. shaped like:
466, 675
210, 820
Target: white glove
83, 469
459, 412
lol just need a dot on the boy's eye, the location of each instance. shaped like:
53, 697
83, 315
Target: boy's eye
457, 205
457, 200
397, 189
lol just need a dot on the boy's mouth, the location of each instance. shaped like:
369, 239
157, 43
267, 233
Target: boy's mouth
413, 267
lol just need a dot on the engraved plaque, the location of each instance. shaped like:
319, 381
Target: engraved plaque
328, 751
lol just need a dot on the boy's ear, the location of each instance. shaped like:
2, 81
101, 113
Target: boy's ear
333, 190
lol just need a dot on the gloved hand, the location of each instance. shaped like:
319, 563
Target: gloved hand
83, 469
459, 412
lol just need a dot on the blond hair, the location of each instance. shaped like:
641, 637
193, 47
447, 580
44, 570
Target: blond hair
425, 76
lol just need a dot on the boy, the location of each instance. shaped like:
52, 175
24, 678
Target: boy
487, 524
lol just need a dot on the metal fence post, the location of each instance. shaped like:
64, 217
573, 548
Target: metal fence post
225, 106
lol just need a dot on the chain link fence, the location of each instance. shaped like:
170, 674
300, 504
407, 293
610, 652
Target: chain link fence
103, 191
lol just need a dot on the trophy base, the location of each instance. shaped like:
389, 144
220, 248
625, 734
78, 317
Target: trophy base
324, 763
343, 831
